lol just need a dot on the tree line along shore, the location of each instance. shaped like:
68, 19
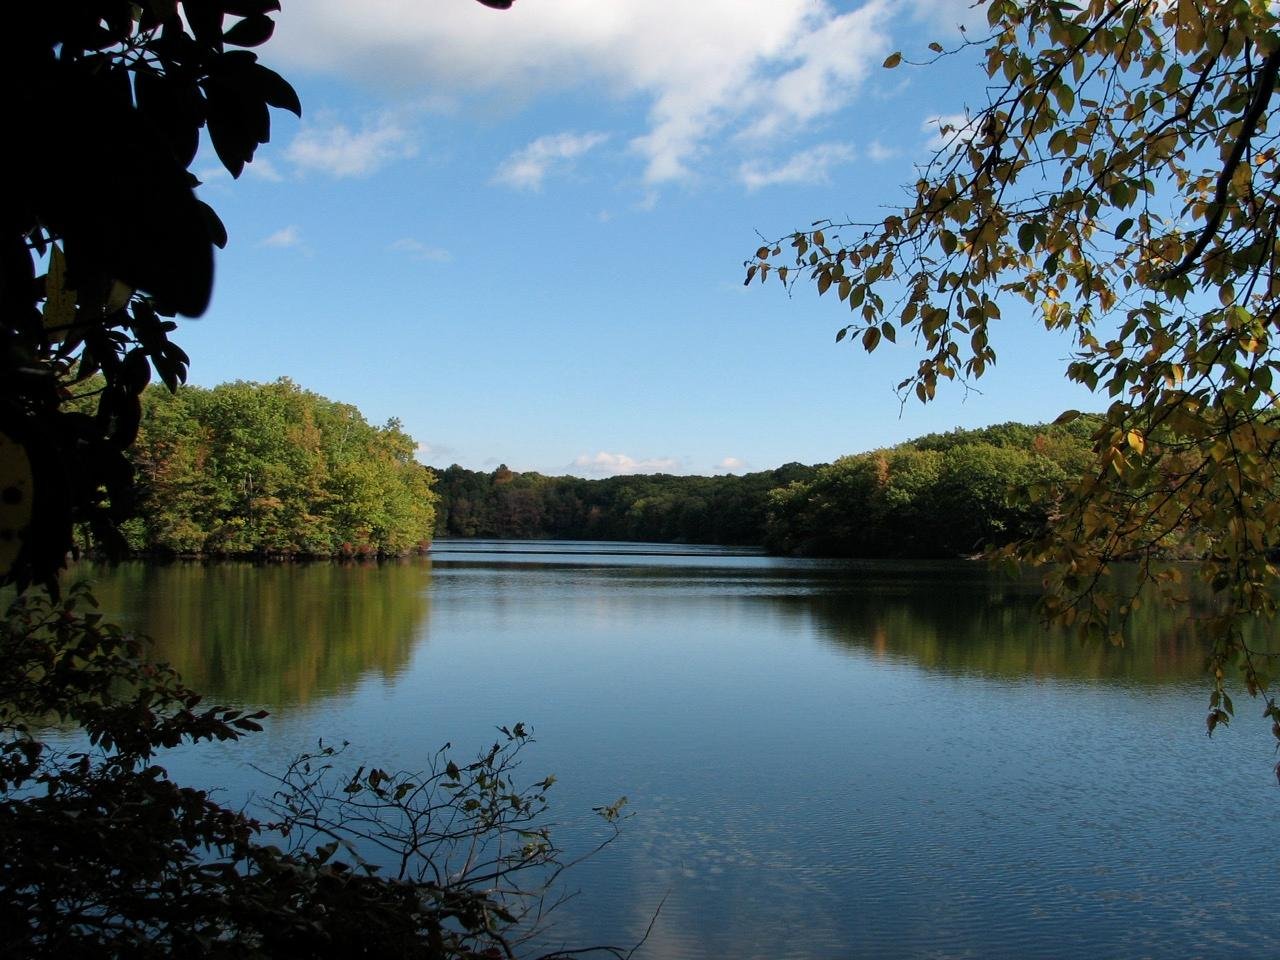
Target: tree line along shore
275, 470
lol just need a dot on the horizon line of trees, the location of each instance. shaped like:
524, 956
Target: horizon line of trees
946, 494
275, 470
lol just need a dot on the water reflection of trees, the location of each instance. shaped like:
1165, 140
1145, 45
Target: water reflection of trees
272, 635
966, 619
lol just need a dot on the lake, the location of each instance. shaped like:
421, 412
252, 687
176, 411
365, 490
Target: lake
823, 759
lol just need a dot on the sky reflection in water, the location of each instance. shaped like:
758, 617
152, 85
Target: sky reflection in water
823, 759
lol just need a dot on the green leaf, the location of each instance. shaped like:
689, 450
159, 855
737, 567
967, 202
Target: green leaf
1066, 97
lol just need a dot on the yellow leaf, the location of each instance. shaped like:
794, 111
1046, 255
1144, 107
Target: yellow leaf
120, 295
59, 303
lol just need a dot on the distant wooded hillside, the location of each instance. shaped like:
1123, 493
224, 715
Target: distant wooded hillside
273, 469
727, 509
939, 495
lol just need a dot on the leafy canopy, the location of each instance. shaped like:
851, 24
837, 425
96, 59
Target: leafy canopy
1121, 181
273, 469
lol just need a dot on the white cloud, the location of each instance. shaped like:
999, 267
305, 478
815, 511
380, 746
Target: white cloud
333, 148
731, 465
879, 153
619, 464
808, 166
829, 61
948, 128
947, 16
703, 70
283, 239
264, 169
260, 167
417, 250
525, 169
212, 173
439, 452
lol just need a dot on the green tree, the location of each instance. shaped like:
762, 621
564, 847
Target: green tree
273, 469
982, 495
1120, 180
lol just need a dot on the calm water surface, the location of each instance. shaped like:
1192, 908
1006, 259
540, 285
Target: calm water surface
824, 760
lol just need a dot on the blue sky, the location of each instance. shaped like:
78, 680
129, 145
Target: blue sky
522, 233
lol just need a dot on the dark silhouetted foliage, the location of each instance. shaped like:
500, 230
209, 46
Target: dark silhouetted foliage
102, 237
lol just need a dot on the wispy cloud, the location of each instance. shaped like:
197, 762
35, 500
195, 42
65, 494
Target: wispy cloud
826, 62
731, 465
333, 148
417, 250
605, 464
439, 452
947, 17
808, 166
704, 71
283, 239
527, 168
948, 128
879, 153
260, 167
264, 169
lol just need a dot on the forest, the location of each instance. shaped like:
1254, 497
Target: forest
730, 510
273, 470
940, 495
249, 469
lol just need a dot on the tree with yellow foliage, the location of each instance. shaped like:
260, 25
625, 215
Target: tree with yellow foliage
1121, 179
